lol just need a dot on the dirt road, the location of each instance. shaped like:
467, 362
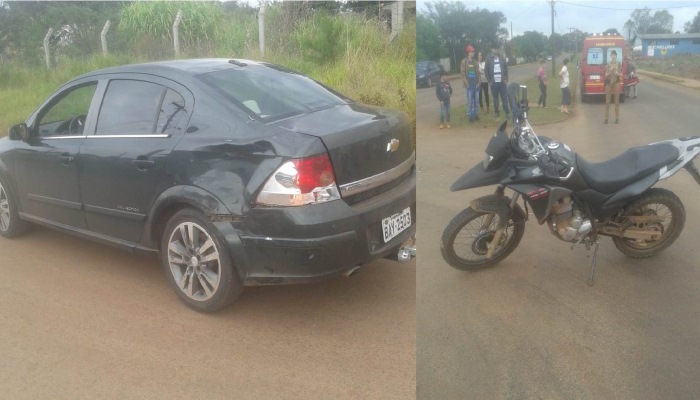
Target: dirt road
83, 321
530, 327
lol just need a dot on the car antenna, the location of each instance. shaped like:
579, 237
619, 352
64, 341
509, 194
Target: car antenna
236, 62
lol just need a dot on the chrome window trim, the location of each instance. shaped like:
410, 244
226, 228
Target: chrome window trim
374, 181
106, 137
127, 136
63, 137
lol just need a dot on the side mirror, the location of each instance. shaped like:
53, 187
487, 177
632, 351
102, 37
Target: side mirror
19, 132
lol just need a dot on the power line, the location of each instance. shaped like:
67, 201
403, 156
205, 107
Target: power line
626, 9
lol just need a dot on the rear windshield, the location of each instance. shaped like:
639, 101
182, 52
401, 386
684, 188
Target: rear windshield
271, 93
601, 55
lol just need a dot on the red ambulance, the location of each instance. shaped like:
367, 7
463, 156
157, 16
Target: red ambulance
594, 58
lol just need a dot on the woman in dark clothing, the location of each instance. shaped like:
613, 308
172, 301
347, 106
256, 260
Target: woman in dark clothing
484, 90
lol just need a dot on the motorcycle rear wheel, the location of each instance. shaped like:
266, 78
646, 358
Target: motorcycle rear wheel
658, 202
464, 241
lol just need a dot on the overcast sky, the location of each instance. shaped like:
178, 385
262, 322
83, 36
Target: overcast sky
588, 16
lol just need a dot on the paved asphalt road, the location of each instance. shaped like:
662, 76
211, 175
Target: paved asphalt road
530, 328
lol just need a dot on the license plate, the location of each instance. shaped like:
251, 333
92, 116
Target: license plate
594, 77
396, 224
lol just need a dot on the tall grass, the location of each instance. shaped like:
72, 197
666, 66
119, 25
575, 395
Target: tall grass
349, 53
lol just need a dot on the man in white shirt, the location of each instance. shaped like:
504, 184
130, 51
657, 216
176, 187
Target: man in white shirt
497, 75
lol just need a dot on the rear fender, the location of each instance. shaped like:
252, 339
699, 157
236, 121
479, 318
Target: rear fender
500, 205
688, 148
190, 196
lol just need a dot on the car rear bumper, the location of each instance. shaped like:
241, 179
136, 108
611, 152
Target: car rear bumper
311, 243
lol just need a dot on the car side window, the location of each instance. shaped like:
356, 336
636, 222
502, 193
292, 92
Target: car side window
67, 115
130, 108
172, 111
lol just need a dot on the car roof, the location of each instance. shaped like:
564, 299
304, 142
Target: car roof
178, 68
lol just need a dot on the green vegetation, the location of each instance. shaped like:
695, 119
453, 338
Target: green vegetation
678, 66
455, 26
349, 52
535, 115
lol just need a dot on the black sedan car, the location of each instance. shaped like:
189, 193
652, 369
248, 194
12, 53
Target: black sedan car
233, 172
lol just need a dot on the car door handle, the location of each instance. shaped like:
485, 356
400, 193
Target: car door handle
143, 164
66, 158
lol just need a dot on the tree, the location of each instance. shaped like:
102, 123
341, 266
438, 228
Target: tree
555, 44
459, 27
530, 45
611, 31
642, 22
428, 43
694, 25
573, 41
661, 22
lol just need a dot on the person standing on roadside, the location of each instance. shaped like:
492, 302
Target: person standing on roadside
484, 85
443, 91
564, 85
497, 75
542, 80
631, 72
612, 86
471, 80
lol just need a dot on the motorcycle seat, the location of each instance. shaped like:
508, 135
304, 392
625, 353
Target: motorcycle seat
636, 163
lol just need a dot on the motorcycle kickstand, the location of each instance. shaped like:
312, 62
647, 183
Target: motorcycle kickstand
593, 262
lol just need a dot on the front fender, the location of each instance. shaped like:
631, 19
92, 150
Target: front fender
500, 205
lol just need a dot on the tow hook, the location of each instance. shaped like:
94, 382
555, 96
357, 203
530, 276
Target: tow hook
407, 251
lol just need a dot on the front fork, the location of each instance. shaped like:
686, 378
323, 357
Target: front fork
489, 219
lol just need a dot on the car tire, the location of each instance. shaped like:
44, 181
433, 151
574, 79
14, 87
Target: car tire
10, 223
197, 262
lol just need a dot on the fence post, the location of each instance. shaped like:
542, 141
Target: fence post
176, 38
47, 53
261, 27
103, 37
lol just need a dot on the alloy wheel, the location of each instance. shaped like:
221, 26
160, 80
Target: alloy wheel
4, 210
194, 261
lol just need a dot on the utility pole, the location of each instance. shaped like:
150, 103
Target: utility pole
571, 35
551, 39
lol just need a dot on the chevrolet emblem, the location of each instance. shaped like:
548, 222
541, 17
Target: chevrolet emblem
392, 146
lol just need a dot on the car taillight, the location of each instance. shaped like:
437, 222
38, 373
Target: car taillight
301, 181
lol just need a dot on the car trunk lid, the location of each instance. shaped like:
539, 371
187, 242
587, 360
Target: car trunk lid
368, 146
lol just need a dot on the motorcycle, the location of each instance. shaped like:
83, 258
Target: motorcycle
578, 200
631, 81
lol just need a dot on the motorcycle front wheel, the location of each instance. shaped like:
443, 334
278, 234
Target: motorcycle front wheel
465, 240
656, 202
